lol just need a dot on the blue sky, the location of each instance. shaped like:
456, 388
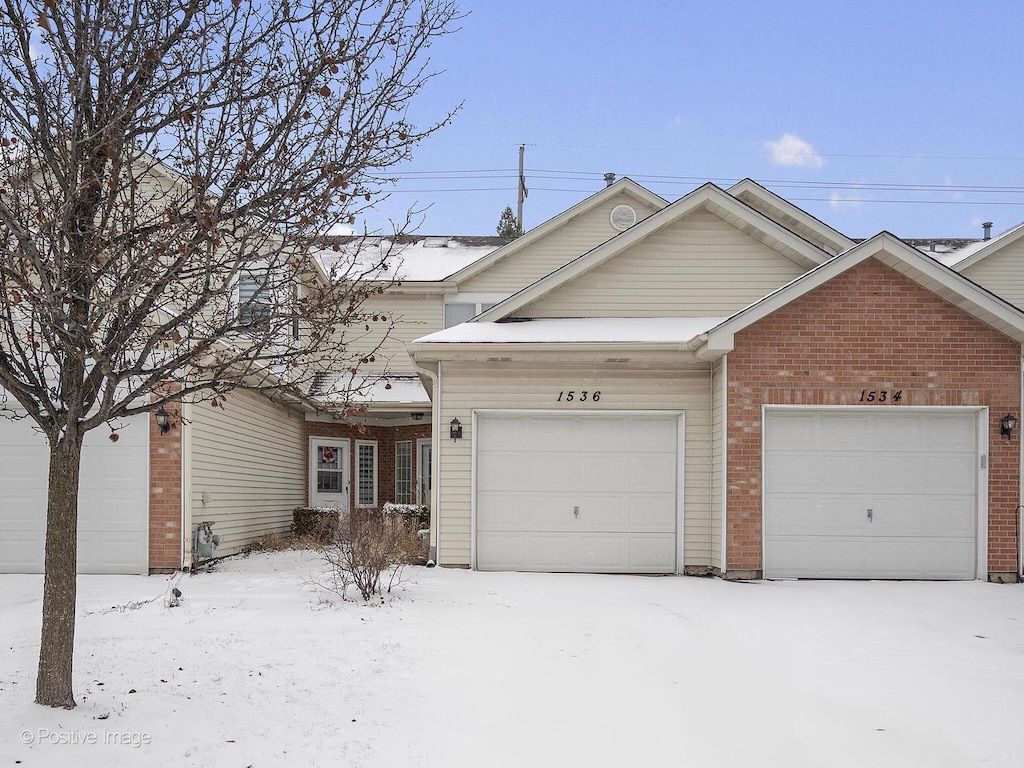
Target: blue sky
871, 115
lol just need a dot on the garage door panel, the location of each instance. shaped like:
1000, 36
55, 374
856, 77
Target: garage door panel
654, 472
793, 433
650, 436
911, 558
113, 502
950, 473
938, 516
948, 433
508, 511
604, 471
551, 471
109, 510
806, 557
823, 515
915, 471
594, 434
553, 551
110, 551
501, 470
601, 512
652, 554
551, 435
504, 431
587, 501
602, 552
21, 551
652, 512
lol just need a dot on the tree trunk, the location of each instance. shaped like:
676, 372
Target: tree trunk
57, 643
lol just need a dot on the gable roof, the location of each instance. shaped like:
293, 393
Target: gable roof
893, 252
409, 258
624, 185
707, 197
978, 250
789, 215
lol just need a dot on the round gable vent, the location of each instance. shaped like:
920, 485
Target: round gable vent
622, 217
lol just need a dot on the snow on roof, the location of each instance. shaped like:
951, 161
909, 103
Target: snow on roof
394, 389
581, 330
426, 258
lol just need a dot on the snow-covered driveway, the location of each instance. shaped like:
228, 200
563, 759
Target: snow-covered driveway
482, 669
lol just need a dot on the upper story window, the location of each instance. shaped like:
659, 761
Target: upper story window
257, 305
254, 305
460, 311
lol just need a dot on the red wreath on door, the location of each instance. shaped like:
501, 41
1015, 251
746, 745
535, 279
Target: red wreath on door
328, 455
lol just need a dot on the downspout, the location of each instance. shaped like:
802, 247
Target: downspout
711, 475
186, 487
435, 460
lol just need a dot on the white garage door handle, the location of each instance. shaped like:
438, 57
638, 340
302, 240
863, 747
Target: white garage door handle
576, 511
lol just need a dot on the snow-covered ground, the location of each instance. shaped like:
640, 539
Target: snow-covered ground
503, 669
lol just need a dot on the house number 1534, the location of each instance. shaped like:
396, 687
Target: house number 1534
579, 395
881, 395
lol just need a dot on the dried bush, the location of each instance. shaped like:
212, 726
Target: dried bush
318, 523
373, 554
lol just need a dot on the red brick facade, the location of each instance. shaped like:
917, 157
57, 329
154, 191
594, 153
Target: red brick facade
165, 468
385, 437
869, 328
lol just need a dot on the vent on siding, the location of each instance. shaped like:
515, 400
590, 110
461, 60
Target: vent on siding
622, 217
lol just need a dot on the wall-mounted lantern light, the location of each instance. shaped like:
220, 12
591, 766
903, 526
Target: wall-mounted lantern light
455, 430
162, 420
416, 416
1007, 425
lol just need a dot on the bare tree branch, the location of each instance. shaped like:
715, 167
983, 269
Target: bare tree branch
167, 171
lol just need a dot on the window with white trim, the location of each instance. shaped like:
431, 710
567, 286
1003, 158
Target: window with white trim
366, 474
254, 307
460, 311
403, 472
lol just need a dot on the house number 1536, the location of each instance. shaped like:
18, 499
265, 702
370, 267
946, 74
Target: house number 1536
579, 395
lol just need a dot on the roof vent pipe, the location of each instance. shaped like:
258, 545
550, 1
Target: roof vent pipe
987, 226
609, 179
931, 246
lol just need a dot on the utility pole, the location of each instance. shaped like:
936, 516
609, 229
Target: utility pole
523, 191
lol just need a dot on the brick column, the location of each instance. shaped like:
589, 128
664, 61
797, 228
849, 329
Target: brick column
165, 472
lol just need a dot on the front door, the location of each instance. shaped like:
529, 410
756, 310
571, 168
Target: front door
423, 456
328, 473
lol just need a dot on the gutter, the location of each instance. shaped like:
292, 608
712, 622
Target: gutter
435, 456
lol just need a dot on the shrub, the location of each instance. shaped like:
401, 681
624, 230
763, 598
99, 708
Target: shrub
373, 554
316, 523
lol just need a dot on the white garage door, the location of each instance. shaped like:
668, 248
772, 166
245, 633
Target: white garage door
577, 493
113, 503
881, 494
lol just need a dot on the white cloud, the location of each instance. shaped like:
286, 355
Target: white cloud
341, 229
794, 152
678, 121
947, 181
845, 202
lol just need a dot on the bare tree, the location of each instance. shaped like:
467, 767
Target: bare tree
166, 168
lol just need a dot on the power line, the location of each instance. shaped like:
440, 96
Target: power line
851, 200
662, 179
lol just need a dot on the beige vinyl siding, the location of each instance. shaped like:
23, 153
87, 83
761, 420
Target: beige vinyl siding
535, 386
700, 266
1002, 273
586, 231
248, 467
413, 315
806, 231
717, 459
